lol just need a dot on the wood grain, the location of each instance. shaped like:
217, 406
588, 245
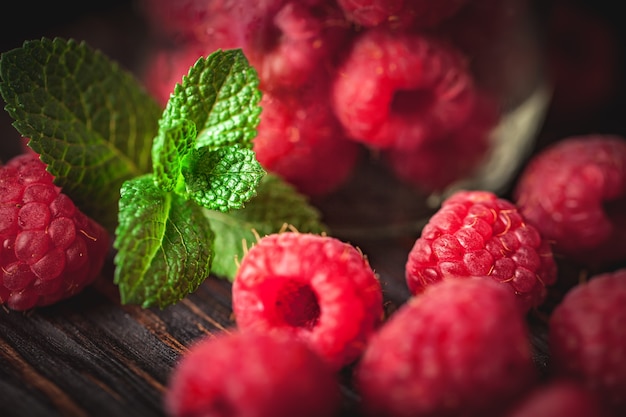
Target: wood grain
92, 356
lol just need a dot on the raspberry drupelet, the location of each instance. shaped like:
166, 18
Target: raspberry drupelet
476, 233
317, 287
50, 250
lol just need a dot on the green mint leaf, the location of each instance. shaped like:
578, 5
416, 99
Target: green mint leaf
276, 205
91, 121
164, 245
223, 179
220, 96
169, 150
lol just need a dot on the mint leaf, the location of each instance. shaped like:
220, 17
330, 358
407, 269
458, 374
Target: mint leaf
222, 179
277, 204
220, 95
164, 245
91, 121
169, 150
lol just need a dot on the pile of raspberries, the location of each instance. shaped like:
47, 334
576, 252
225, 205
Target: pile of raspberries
406, 81
393, 78
309, 310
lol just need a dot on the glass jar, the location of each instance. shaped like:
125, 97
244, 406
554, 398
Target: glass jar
502, 54
377, 111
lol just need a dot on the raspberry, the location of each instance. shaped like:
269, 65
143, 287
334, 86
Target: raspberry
300, 140
205, 20
286, 42
399, 89
294, 44
459, 348
475, 233
438, 162
558, 398
399, 13
252, 374
587, 337
574, 192
50, 250
317, 287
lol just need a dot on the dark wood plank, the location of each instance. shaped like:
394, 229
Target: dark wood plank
92, 356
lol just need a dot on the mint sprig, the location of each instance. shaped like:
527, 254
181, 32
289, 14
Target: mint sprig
181, 188
90, 121
161, 238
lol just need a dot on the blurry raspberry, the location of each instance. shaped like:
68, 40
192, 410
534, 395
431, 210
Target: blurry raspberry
558, 398
438, 162
211, 21
300, 140
575, 193
319, 288
401, 89
475, 233
461, 348
50, 250
286, 42
587, 337
296, 43
253, 375
399, 14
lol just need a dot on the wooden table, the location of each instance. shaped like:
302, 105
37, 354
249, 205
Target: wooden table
92, 356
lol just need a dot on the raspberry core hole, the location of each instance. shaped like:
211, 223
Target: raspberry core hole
410, 102
297, 305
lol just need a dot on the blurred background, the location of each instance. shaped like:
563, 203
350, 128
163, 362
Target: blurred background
584, 44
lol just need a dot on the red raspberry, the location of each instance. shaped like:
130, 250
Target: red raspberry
399, 13
398, 89
438, 162
321, 289
296, 43
475, 233
459, 348
300, 140
286, 42
50, 250
558, 398
587, 337
253, 375
205, 20
574, 192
